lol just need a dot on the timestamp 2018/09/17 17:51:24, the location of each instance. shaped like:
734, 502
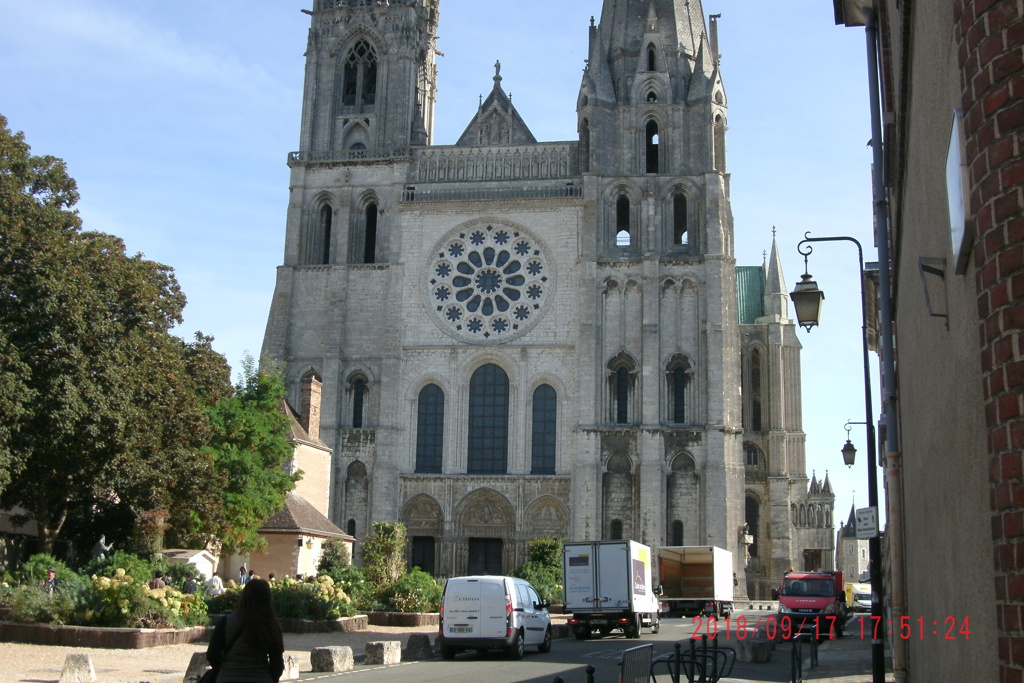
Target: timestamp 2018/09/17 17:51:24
786, 627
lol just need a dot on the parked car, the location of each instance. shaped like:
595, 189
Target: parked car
493, 613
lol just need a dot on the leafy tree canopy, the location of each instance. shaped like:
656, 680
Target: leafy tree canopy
251, 454
383, 553
111, 423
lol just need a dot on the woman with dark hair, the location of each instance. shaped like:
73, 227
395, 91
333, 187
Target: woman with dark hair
247, 645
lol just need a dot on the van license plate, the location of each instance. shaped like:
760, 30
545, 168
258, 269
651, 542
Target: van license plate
460, 629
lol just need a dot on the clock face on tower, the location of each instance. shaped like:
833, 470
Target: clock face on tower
487, 282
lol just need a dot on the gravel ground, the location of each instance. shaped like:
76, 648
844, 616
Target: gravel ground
43, 664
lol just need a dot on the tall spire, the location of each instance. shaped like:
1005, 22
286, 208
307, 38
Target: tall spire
775, 298
680, 23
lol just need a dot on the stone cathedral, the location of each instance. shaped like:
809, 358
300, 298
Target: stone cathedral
516, 338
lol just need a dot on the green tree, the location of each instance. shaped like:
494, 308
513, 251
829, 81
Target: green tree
250, 451
101, 405
383, 553
543, 567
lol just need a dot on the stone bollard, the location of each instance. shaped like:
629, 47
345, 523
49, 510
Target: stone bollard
197, 666
756, 650
331, 659
384, 652
419, 647
78, 669
291, 669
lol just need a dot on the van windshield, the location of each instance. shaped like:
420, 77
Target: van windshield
821, 588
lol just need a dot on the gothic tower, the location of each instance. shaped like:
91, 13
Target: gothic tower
518, 338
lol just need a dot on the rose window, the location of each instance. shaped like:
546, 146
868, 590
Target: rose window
488, 284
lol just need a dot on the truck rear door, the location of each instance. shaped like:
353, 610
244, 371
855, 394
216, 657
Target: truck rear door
580, 567
614, 576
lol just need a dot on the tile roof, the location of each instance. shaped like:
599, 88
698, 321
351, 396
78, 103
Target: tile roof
299, 516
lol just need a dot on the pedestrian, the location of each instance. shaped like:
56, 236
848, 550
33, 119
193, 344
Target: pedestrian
243, 574
156, 583
252, 575
189, 587
168, 579
51, 582
214, 586
247, 645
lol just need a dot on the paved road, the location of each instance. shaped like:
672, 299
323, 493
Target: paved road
570, 657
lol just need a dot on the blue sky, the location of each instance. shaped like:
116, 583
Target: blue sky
176, 118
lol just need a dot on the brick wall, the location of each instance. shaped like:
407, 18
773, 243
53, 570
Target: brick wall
990, 38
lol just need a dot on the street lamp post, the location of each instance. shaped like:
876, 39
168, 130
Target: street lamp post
807, 300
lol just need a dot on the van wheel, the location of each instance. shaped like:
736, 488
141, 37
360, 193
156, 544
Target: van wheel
447, 651
545, 646
518, 647
632, 629
655, 623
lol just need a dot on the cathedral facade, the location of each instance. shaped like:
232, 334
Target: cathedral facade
519, 338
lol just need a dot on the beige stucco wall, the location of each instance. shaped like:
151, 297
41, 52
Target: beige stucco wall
946, 494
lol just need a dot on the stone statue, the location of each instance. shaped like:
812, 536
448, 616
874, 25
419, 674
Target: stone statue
100, 550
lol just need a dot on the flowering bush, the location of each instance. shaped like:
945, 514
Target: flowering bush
318, 599
416, 591
120, 600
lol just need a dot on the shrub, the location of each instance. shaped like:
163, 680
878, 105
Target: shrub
416, 591
334, 556
317, 600
543, 567
352, 580
121, 601
383, 553
547, 580
31, 604
33, 573
140, 569
225, 602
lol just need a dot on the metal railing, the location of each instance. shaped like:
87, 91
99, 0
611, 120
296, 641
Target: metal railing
796, 656
704, 664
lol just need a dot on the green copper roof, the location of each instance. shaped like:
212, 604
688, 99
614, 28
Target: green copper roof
750, 293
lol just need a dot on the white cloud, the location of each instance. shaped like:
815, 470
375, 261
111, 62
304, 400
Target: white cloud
124, 45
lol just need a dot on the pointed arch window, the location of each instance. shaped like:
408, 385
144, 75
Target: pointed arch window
488, 421
326, 214
430, 430
623, 229
679, 376
680, 220
585, 146
753, 518
359, 389
752, 455
621, 387
615, 533
360, 76
719, 144
652, 62
652, 138
545, 406
370, 233
755, 390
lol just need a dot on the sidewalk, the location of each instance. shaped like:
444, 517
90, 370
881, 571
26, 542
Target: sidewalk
845, 660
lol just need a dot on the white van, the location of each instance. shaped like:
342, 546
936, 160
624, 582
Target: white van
493, 613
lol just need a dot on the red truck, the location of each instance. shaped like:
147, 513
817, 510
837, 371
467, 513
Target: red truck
813, 601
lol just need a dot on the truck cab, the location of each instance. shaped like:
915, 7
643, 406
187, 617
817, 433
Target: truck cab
813, 601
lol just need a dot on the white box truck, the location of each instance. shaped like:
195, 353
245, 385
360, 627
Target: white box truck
695, 580
608, 586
